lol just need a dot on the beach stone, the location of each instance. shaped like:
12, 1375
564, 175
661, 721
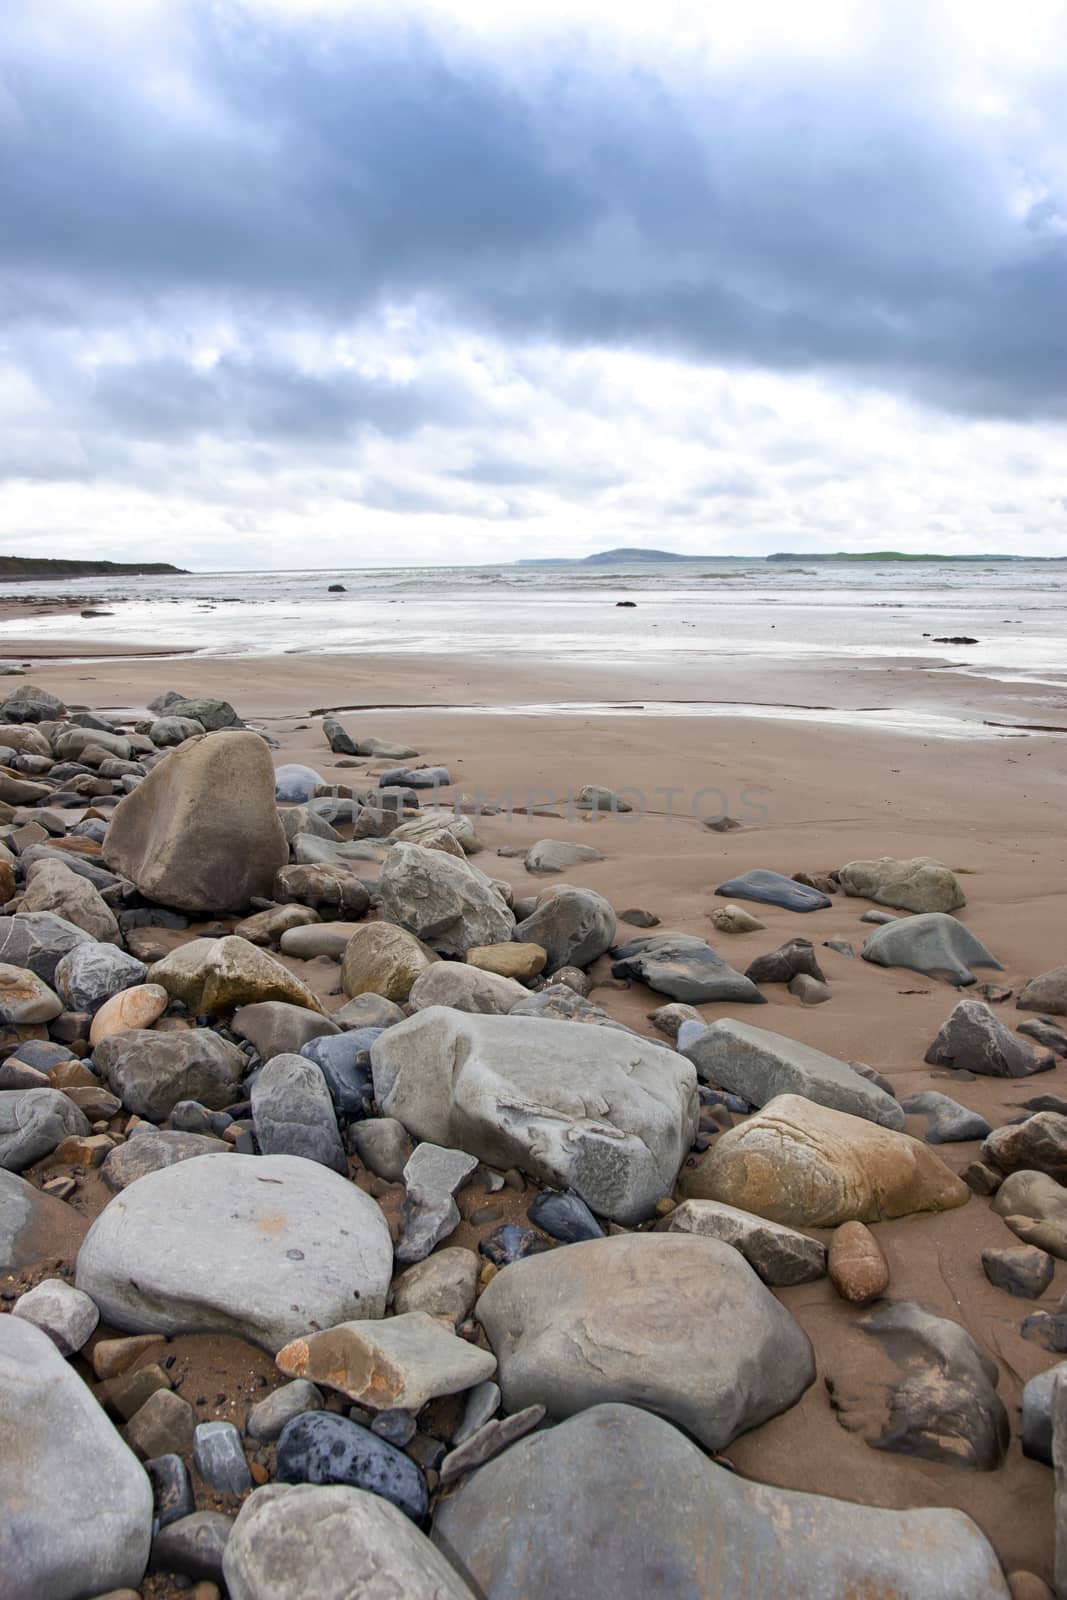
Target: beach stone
556, 855
319, 938
943, 1406
414, 778
464, 987
219, 1457
320, 1447
333, 887
344, 1060
166, 731
559, 1002
685, 968
858, 1269
703, 1533
155, 1148
430, 824
1045, 1033
384, 960
785, 962
51, 886
921, 884
611, 1122
66, 1315
482, 1404
172, 1493
573, 926
933, 943
1023, 1271
668, 1019
212, 714
193, 1546
38, 940
91, 973
735, 919
33, 1122
26, 998
34, 1227
25, 739
367, 1011
974, 1039
1034, 1206
775, 889
675, 1322
759, 1065
400, 1363
564, 1216
201, 832
1036, 1426
1037, 1145
809, 991
949, 1122
278, 1028
519, 961
1045, 993
383, 1145
264, 1247
293, 1114
269, 1416
443, 1285
28, 703
333, 1543
809, 1166
294, 784
779, 1255
594, 797
339, 741
59, 1542
267, 927
150, 1072
490, 1439
442, 900
217, 975
304, 819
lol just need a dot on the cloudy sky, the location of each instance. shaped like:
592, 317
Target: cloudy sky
297, 282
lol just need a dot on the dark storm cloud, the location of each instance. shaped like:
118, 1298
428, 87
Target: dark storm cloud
835, 220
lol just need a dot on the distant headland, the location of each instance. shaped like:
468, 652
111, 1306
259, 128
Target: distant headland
14, 567
654, 557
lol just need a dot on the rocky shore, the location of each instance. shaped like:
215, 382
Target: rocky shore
385, 1209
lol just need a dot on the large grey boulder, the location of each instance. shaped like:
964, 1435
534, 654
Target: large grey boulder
33, 1122
293, 1115
573, 926
150, 1072
201, 833
38, 940
920, 884
972, 1038
604, 1113
933, 943
442, 899
548, 1519
91, 973
77, 1502
684, 967
674, 1322
294, 1541
51, 886
465, 988
264, 1247
757, 1065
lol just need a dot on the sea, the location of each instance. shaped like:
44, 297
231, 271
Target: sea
814, 611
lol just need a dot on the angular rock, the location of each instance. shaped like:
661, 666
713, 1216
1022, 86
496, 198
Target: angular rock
193, 1546
261, 1246
320, 1447
384, 960
464, 988
556, 855
26, 998
66, 1315
775, 889
278, 1028
444, 1285
519, 961
293, 1113
858, 1269
154, 1149
441, 900
1037, 1145
38, 940
677, 1323
344, 1061
489, 1441
613, 1124
51, 886
685, 968
399, 1363
212, 714
933, 943
267, 1419
219, 1458
1024, 1271
130, 1009
779, 1255
91, 973
785, 962
949, 1122
59, 1542
150, 1072
573, 926
32, 1123
974, 1039
921, 884
1048, 992
201, 832
759, 1065
332, 887
812, 1167
217, 975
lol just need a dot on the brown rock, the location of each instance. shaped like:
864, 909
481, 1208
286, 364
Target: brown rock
383, 959
81, 1150
519, 961
164, 1424
399, 1363
128, 1391
110, 1357
52, 886
132, 1008
858, 1270
216, 975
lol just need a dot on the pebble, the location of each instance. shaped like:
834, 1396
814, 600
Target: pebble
219, 1457
66, 1314
267, 1418
857, 1268
163, 1426
511, 1243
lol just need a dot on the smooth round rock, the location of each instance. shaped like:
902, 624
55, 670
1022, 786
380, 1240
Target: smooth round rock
857, 1268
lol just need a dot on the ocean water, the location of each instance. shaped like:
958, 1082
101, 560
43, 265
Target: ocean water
820, 611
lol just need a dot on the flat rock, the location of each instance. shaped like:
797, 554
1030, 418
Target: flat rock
61, 1543
150, 1072
265, 1247
703, 1531
384, 960
400, 1363
333, 1542
612, 1122
38, 940
556, 855
154, 1149
216, 975
465, 988
674, 1322
759, 1065
685, 969
35, 1227
933, 943
858, 1269
573, 926
810, 1166
1045, 993
775, 889
1023, 1271
293, 1114
26, 998
949, 1122
278, 1028
921, 884
33, 1122
442, 900
973, 1038
1037, 1145
519, 961
320, 1447
779, 1255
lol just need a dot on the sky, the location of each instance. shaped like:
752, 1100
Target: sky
310, 283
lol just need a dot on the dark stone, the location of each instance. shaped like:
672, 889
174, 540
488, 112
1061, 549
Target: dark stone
635, 916
685, 968
774, 889
565, 1217
949, 1121
1046, 1033
189, 1116
511, 1243
789, 959
1022, 1270
344, 1061
1049, 1331
1040, 1102
172, 1493
193, 1546
43, 1054
321, 1447
398, 1427
1035, 1432
151, 917
338, 740
722, 824
1037, 1145
972, 1037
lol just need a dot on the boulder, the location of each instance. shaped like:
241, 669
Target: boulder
604, 1113
25, 998
38, 940
759, 1065
28, 703
399, 1363
61, 1542
277, 1028
1034, 1206
292, 1541
548, 1519
211, 713
132, 1008
91, 973
775, 889
464, 988
933, 943
1046, 993
334, 887
216, 975
573, 926
974, 1039
442, 900
383, 960
201, 832
263, 1247
812, 1167
33, 1122
674, 1322
921, 884
293, 1114
684, 967
1037, 1145
150, 1072
779, 1255
51, 886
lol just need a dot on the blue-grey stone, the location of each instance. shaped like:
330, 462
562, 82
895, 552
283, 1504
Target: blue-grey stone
774, 889
220, 1459
949, 1121
321, 1447
172, 1493
511, 1243
344, 1061
565, 1217
295, 784
933, 943
415, 778
684, 967
293, 1113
